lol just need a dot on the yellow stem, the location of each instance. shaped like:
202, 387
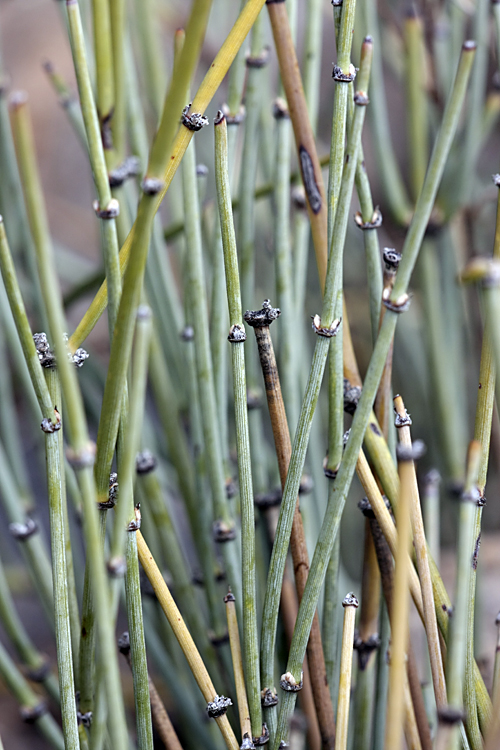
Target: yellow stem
183, 636
239, 677
350, 605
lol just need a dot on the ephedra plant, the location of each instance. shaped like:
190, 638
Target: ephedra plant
204, 575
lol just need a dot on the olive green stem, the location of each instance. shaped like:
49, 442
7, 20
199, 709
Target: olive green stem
342, 482
237, 338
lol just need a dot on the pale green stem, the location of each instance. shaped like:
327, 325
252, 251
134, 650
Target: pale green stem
283, 260
56, 487
152, 65
199, 307
237, 337
69, 103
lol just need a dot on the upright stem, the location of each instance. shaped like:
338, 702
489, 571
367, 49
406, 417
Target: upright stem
457, 644
403, 422
237, 338
350, 605
401, 602
55, 481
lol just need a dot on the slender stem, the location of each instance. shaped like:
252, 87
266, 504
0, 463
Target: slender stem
350, 605
237, 338
420, 546
56, 486
475, 109
399, 619
103, 50
457, 644
416, 101
339, 118
366, 645
316, 660
118, 12
96, 127
239, 677
304, 138
184, 638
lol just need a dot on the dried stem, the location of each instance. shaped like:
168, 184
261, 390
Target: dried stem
350, 605
183, 636
403, 422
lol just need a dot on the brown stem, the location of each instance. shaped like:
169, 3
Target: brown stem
307, 156
315, 656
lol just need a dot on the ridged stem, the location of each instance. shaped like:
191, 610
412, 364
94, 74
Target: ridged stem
237, 337
56, 487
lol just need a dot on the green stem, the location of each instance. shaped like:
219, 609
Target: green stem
237, 337
94, 131
55, 481
198, 305
103, 51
